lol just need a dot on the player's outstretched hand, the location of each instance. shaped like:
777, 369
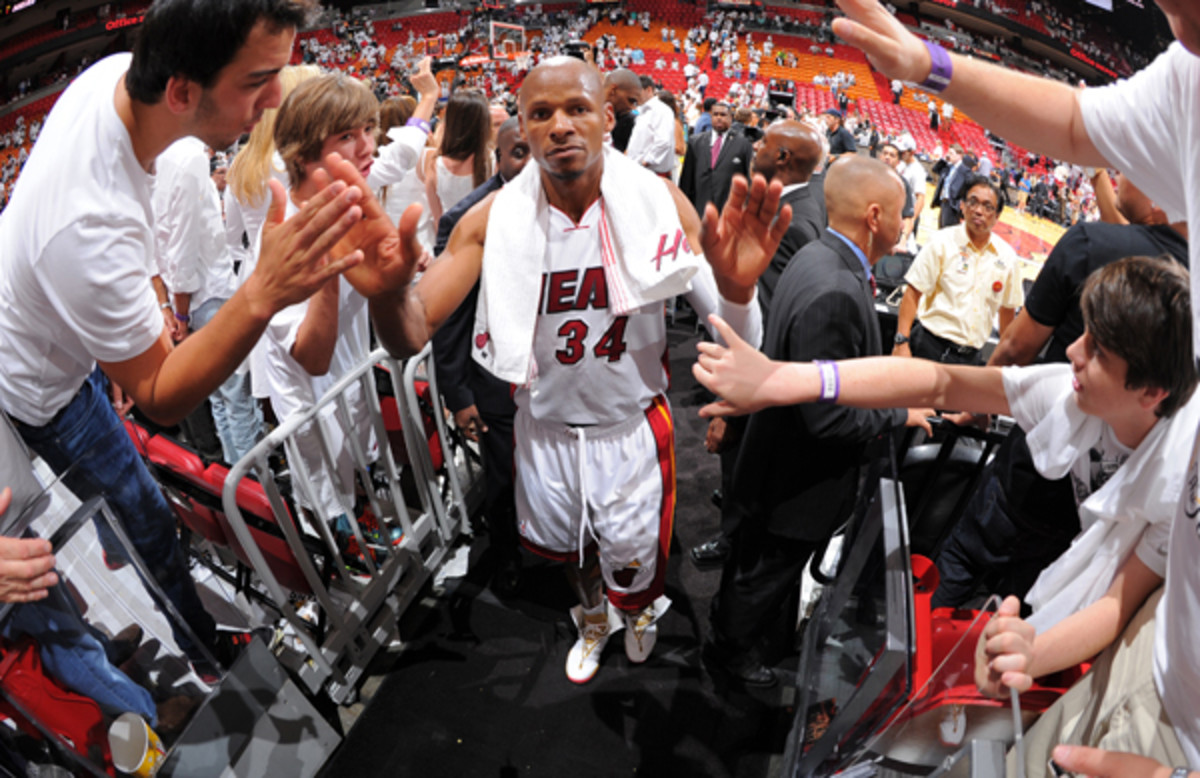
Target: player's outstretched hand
741, 376
391, 255
740, 241
26, 564
891, 48
1005, 652
298, 255
1081, 760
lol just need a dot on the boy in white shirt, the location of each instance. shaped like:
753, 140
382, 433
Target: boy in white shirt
1126, 392
312, 344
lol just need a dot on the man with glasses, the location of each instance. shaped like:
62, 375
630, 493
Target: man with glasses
957, 284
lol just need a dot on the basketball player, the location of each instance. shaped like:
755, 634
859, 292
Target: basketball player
594, 441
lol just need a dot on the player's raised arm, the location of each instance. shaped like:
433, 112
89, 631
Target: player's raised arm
740, 241
1038, 113
746, 381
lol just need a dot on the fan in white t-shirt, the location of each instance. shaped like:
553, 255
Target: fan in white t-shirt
309, 346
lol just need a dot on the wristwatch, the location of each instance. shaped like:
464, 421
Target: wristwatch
1180, 772
900, 339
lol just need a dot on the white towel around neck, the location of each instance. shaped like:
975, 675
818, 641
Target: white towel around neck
646, 260
1144, 489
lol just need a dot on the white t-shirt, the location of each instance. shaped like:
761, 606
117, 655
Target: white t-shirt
76, 252
1176, 661
188, 228
292, 390
652, 142
914, 174
593, 367
1147, 126
1033, 393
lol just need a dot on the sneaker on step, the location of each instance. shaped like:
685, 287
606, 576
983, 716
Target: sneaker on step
584, 658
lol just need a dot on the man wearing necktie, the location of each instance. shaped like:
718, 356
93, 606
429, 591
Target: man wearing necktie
713, 158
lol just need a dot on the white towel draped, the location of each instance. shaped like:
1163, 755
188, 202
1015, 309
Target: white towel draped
646, 258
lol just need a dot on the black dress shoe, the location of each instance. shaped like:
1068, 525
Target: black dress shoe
711, 553
745, 669
507, 578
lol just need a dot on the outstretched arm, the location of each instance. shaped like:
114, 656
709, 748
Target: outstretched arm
1036, 113
747, 381
167, 383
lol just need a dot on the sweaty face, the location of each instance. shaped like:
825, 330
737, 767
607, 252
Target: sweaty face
244, 88
722, 119
564, 118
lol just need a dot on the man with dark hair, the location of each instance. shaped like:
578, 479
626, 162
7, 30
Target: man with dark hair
958, 283
951, 186
482, 404
841, 140
704, 122
889, 154
75, 287
713, 158
652, 144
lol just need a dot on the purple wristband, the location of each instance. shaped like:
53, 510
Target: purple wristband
831, 382
419, 123
940, 71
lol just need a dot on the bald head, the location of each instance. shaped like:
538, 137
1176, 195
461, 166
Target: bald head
789, 151
865, 198
557, 73
623, 90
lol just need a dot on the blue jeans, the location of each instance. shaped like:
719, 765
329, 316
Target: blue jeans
73, 654
87, 444
235, 412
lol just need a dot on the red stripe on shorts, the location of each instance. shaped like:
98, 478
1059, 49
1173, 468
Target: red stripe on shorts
659, 417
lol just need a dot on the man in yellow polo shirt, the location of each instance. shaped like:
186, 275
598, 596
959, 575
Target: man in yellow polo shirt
957, 284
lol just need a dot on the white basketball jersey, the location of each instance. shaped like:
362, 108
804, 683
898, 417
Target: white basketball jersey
590, 366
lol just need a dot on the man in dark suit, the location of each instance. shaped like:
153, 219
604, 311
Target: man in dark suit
482, 404
797, 472
788, 152
713, 158
953, 191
